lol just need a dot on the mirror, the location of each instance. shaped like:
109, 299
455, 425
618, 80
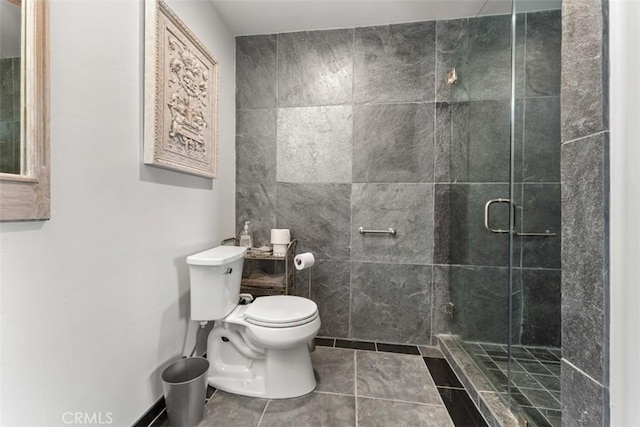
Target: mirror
24, 110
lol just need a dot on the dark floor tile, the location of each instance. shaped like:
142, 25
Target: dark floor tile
461, 409
554, 417
520, 398
396, 348
441, 372
499, 357
496, 348
534, 367
151, 414
550, 382
535, 417
356, 345
325, 342
521, 353
553, 367
502, 355
210, 391
541, 399
161, 421
544, 354
489, 365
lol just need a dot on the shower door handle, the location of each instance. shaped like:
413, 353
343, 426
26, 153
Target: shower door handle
512, 220
487, 215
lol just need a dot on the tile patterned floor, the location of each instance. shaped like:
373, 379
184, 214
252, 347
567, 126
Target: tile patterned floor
535, 378
359, 384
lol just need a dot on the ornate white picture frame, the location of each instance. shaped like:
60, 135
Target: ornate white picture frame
180, 96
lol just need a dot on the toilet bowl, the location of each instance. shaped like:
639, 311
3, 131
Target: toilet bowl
258, 349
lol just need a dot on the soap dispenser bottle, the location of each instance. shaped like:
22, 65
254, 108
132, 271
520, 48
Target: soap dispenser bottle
245, 237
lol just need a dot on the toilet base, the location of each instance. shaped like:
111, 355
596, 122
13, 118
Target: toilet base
250, 371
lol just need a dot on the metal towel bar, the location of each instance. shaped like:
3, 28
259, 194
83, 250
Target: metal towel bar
391, 231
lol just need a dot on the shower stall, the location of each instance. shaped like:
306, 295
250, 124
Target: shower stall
499, 198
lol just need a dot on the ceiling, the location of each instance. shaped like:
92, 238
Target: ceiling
249, 17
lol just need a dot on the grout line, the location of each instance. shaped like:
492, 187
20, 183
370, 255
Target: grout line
333, 393
401, 401
264, 411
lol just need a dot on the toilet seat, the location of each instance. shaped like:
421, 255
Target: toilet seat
281, 311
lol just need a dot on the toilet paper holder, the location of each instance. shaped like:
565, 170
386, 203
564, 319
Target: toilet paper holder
391, 231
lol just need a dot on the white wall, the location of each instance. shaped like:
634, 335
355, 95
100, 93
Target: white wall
94, 302
625, 212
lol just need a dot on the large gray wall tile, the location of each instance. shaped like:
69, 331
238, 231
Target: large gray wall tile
480, 138
256, 146
406, 207
256, 71
583, 256
470, 242
544, 36
582, 69
315, 68
318, 215
541, 212
314, 144
541, 140
583, 246
489, 64
440, 320
395, 298
256, 203
583, 399
393, 143
442, 151
395, 63
452, 52
480, 297
489, 135
330, 289
442, 223
541, 320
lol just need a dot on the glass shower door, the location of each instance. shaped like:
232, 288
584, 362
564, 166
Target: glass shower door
502, 189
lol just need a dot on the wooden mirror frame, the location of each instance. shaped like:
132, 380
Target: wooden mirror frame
26, 197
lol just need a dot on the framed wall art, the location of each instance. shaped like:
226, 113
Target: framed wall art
180, 96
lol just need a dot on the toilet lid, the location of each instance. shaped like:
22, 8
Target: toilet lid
281, 310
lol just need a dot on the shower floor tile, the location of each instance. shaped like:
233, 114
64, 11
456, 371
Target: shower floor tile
535, 378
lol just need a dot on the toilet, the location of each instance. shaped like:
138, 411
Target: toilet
257, 349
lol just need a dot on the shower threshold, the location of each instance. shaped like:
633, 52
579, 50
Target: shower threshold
535, 381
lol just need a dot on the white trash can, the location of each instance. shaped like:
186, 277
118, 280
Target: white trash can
184, 383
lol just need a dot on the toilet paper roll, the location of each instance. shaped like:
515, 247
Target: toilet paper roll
304, 261
280, 236
280, 249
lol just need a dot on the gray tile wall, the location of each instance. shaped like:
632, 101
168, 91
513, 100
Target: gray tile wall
10, 115
355, 127
585, 193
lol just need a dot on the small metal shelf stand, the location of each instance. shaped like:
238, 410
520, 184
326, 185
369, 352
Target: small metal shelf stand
278, 282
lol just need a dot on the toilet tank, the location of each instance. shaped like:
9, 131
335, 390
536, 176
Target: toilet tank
215, 277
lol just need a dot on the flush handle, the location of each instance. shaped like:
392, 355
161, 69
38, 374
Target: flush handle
228, 271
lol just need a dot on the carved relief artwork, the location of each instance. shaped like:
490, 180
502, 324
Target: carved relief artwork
180, 96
